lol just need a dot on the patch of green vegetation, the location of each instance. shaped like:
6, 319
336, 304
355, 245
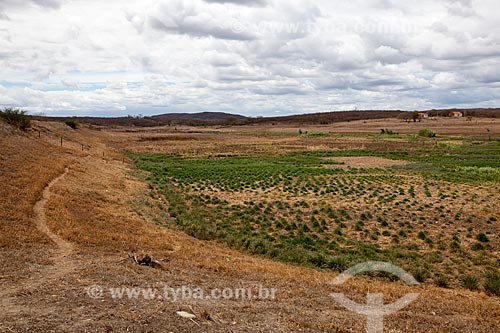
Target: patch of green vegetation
482, 238
470, 282
388, 131
492, 283
420, 274
284, 207
442, 281
72, 123
16, 118
462, 163
427, 133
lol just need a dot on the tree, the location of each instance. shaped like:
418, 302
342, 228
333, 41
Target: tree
231, 121
16, 118
415, 116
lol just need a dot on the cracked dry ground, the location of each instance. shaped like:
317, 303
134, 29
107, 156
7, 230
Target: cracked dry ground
95, 216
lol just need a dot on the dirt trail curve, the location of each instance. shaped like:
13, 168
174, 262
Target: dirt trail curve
62, 263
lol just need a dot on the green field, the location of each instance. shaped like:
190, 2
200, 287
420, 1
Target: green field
433, 216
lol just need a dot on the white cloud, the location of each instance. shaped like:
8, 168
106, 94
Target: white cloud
253, 57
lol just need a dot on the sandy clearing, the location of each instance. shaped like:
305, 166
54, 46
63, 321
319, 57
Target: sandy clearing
365, 162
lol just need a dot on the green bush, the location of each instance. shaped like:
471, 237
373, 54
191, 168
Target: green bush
72, 123
482, 238
469, 282
492, 283
427, 133
16, 118
442, 281
420, 274
477, 247
388, 131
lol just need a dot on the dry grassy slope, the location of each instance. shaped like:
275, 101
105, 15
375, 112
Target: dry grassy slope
102, 210
26, 166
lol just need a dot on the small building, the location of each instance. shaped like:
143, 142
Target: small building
423, 115
456, 114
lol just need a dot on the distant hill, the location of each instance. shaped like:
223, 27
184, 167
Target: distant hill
200, 118
221, 118
193, 119
330, 117
478, 113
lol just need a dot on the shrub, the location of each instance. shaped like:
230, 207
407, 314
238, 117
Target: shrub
72, 123
492, 283
338, 263
482, 238
427, 133
442, 281
477, 247
318, 260
469, 282
16, 118
421, 235
420, 274
455, 246
388, 131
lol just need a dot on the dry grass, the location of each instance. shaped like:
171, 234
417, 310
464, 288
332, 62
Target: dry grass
26, 166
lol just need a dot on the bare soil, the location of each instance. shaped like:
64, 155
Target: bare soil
366, 162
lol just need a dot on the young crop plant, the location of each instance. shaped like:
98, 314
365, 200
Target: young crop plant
442, 281
492, 283
482, 238
295, 208
470, 282
420, 274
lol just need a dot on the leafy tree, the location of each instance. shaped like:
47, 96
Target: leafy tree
415, 116
16, 118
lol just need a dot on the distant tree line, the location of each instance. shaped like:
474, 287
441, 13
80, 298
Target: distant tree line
224, 119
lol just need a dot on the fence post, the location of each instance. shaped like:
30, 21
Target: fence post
61, 142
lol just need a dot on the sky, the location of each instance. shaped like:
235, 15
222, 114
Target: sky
250, 57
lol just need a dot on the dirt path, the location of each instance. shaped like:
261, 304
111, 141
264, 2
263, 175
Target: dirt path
62, 263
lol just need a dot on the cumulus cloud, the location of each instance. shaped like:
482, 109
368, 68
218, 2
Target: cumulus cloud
54, 4
252, 57
461, 8
7, 5
250, 3
198, 19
